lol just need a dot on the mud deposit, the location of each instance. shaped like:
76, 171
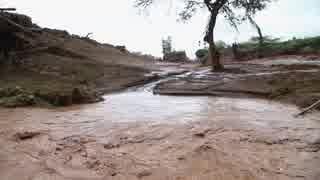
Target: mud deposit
136, 135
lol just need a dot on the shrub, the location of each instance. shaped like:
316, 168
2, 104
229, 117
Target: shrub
201, 53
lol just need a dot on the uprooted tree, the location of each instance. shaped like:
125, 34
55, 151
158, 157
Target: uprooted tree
234, 11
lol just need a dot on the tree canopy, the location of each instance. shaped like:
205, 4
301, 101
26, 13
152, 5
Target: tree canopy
235, 11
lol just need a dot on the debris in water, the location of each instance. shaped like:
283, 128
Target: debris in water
200, 134
26, 135
111, 146
144, 173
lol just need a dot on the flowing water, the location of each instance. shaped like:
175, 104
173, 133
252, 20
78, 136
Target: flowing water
165, 124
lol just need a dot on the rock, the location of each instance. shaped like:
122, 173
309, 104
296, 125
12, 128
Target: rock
144, 173
200, 134
78, 96
63, 100
181, 158
26, 135
122, 48
113, 173
58, 148
111, 146
93, 164
203, 148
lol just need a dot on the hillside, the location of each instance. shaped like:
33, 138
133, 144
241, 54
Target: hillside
52, 67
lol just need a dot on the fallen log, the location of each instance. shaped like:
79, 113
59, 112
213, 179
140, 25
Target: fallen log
7, 9
313, 106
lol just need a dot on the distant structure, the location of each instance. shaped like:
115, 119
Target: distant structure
169, 54
167, 45
176, 56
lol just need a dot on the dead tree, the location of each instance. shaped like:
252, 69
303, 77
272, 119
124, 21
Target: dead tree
311, 107
7, 9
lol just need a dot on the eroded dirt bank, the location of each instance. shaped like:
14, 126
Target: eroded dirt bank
136, 135
291, 80
43, 67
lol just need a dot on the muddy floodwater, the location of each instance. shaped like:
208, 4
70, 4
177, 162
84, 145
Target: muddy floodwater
138, 135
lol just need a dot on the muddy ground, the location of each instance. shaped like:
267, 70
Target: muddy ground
294, 80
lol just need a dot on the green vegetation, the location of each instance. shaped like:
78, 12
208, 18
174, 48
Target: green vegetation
271, 47
201, 53
220, 46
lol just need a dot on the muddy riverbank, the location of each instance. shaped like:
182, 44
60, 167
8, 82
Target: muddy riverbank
291, 81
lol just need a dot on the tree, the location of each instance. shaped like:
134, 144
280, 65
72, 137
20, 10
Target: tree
230, 9
260, 36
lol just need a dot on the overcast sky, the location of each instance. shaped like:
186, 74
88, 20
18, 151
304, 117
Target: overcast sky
117, 22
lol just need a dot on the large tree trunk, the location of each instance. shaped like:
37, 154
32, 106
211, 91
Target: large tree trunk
214, 54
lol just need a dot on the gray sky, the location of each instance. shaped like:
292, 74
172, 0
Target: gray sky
117, 22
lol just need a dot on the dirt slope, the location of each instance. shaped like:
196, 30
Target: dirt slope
53, 67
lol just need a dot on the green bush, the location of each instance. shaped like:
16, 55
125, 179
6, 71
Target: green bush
201, 53
275, 47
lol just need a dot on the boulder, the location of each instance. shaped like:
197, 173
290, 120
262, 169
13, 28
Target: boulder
122, 48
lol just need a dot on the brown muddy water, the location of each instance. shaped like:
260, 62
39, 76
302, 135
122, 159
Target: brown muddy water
138, 135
